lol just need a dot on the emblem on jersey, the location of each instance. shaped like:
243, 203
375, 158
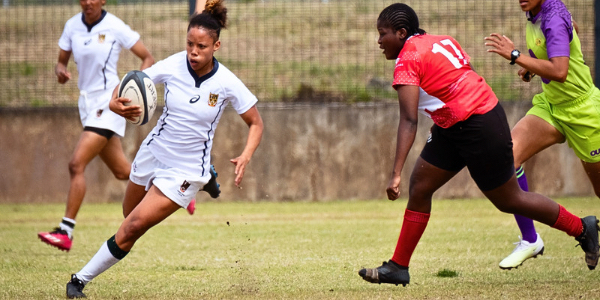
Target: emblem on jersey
101, 38
538, 42
99, 113
184, 186
87, 42
212, 99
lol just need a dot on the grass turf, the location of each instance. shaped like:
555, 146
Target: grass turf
294, 250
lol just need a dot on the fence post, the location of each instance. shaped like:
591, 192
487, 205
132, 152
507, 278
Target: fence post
192, 7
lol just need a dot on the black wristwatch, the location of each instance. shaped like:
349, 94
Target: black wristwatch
514, 55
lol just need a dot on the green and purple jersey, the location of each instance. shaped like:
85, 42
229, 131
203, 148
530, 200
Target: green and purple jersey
550, 34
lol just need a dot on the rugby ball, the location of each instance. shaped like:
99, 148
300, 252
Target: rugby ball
140, 89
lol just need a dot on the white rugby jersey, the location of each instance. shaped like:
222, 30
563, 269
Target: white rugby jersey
95, 48
183, 136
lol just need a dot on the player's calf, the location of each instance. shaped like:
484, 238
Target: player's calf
212, 187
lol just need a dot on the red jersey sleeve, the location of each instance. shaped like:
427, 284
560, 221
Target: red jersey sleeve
408, 67
440, 67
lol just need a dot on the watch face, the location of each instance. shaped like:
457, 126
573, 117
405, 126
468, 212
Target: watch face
515, 52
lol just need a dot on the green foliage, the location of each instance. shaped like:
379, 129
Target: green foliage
38, 103
292, 250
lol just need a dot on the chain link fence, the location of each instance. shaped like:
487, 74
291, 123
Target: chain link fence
284, 50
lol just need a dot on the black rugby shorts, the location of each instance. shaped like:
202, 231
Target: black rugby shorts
482, 143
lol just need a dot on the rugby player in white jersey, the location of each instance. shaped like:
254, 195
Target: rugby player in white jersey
95, 38
173, 162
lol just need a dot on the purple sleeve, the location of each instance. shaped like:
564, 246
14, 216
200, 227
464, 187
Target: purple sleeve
558, 30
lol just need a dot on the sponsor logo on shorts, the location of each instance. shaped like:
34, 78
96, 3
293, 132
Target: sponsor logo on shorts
184, 186
595, 152
429, 137
212, 99
99, 113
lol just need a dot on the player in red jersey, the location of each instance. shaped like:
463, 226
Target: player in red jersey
433, 75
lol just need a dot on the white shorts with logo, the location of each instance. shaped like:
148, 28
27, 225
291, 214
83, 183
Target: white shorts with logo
94, 112
178, 185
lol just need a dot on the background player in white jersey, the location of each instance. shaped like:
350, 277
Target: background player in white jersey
173, 162
95, 38
567, 109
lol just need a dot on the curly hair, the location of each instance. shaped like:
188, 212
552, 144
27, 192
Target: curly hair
213, 18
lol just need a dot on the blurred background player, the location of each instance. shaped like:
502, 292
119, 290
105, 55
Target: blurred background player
173, 162
433, 74
95, 38
567, 109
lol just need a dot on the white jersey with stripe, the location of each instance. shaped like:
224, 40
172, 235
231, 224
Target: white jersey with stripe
96, 49
183, 136
428, 103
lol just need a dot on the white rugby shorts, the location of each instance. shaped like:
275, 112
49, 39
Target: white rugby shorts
178, 185
94, 112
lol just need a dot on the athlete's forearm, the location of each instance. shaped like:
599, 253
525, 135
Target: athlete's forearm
255, 130
555, 69
407, 130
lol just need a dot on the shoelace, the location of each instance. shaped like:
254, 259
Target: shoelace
58, 230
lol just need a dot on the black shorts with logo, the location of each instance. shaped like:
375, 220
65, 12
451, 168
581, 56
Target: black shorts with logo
482, 143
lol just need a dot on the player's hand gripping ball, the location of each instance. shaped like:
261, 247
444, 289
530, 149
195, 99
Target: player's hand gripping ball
139, 88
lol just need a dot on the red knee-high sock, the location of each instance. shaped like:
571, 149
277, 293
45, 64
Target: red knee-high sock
412, 229
568, 222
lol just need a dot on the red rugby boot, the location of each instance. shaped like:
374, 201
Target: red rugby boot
191, 208
57, 238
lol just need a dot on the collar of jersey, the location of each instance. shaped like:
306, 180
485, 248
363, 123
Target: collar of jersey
534, 19
90, 26
199, 80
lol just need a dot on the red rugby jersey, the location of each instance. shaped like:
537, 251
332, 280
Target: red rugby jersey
450, 90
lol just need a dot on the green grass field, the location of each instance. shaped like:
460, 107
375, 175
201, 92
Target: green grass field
294, 251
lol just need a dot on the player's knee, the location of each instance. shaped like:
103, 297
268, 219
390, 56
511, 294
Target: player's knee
133, 230
121, 175
507, 206
420, 202
76, 167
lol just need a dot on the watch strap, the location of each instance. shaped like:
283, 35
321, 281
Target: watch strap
514, 55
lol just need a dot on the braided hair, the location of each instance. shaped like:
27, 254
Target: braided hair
400, 15
212, 18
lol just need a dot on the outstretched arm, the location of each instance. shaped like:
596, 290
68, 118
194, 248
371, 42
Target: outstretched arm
408, 98
61, 66
140, 50
255, 124
555, 69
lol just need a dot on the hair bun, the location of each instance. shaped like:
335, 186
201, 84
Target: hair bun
217, 9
